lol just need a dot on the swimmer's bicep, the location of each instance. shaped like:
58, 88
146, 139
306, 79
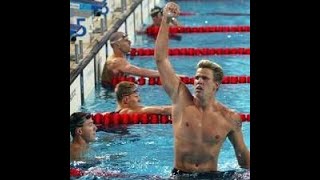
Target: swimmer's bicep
241, 151
131, 69
236, 139
170, 81
122, 65
117, 65
235, 135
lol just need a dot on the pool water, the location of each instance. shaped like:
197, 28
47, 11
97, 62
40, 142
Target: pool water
145, 151
217, 39
215, 12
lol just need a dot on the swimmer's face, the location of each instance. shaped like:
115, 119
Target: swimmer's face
204, 84
157, 19
124, 44
134, 98
88, 130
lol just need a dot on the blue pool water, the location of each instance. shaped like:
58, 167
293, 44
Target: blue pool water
146, 151
209, 12
235, 96
223, 40
231, 64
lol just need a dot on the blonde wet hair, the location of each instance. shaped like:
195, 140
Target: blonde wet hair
216, 68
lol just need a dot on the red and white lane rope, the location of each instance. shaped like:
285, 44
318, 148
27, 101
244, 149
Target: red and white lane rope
99, 172
108, 118
192, 51
186, 80
152, 30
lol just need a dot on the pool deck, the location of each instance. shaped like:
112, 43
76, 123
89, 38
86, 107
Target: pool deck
87, 47
95, 37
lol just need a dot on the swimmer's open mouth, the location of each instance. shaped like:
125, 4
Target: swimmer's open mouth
199, 88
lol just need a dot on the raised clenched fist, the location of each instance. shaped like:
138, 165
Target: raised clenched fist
170, 11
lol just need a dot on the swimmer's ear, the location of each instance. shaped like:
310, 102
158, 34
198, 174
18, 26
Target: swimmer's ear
217, 86
126, 99
78, 131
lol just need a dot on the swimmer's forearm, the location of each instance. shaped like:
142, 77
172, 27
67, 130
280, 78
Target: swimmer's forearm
150, 73
165, 110
244, 159
169, 79
161, 47
134, 70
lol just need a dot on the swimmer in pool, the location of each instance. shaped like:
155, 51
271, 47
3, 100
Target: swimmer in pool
156, 15
83, 131
118, 65
128, 100
201, 123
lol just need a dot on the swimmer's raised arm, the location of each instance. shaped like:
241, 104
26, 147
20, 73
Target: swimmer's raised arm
169, 79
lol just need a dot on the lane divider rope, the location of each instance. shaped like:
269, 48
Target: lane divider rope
153, 30
111, 118
186, 80
192, 51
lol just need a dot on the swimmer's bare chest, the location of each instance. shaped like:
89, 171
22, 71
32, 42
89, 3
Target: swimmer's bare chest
204, 128
199, 137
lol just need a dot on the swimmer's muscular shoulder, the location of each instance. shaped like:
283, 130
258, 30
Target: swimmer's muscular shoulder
231, 116
116, 62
